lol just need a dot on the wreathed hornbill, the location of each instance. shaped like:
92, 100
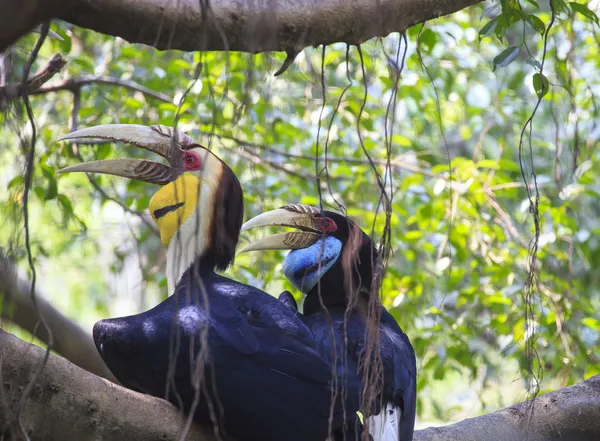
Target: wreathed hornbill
332, 262
227, 352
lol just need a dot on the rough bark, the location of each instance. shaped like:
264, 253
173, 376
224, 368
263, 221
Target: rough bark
239, 25
20, 17
68, 403
569, 414
69, 339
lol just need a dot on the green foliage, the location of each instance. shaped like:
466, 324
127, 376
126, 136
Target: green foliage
460, 232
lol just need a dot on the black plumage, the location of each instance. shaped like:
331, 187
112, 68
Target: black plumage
259, 367
227, 352
342, 301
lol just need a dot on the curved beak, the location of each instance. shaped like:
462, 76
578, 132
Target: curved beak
289, 216
162, 140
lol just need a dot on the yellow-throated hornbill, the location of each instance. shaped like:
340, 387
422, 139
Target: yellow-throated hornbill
227, 352
332, 263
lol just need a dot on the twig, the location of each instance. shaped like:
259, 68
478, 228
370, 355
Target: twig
338, 159
28, 178
262, 161
505, 217
73, 84
508, 185
12, 91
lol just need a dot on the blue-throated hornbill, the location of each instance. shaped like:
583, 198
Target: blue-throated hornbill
335, 271
227, 352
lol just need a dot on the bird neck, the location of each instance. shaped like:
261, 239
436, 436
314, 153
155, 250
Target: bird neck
332, 291
209, 237
185, 248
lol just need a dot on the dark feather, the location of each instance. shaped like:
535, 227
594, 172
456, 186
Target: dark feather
261, 372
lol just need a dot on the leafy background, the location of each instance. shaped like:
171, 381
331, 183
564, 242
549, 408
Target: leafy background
461, 229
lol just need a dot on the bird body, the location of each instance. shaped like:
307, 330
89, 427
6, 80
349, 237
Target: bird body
225, 352
237, 354
333, 266
397, 361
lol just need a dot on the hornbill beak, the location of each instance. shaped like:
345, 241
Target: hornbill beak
301, 217
162, 140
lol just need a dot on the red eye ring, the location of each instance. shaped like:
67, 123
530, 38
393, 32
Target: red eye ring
327, 224
191, 161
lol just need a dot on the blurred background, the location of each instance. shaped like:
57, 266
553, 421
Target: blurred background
440, 116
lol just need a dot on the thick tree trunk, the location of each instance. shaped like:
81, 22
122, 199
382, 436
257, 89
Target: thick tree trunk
18, 17
239, 25
68, 403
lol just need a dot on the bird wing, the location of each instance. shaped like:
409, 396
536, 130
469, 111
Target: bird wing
233, 327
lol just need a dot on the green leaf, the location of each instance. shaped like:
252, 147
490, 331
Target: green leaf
133, 103
102, 151
561, 7
17, 180
428, 39
537, 24
508, 165
51, 189
591, 323
65, 44
65, 203
402, 141
541, 84
585, 11
506, 57
534, 3
86, 65
488, 163
40, 192
488, 29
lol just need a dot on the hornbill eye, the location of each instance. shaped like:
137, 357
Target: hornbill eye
192, 161
327, 225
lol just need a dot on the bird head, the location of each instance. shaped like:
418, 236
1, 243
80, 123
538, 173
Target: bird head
330, 255
199, 207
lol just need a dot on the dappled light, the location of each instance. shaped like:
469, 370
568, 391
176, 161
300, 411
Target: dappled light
465, 147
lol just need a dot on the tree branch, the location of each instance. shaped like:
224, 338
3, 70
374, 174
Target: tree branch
397, 162
11, 91
569, 414
69, 339
238, 25
84, 407
68, 403
20, 17
74, 84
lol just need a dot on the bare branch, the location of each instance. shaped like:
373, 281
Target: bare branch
74, 84
257, 160
239, 25
12, 91
398, 162
69, 403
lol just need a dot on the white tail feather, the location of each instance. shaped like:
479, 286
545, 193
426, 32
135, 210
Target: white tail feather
386, 425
